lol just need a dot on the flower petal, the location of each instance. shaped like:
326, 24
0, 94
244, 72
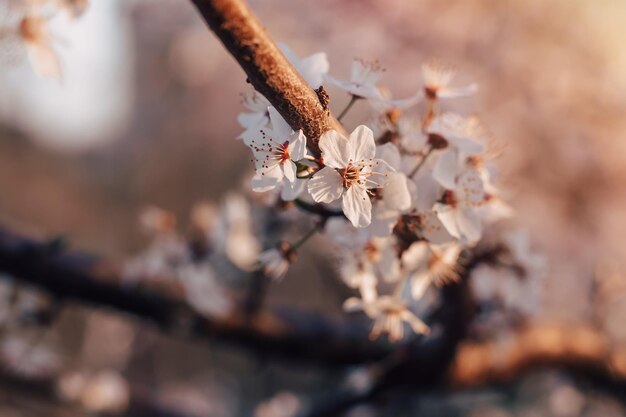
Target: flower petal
267, 180
292, 190
447, 216
297, 148
326, 185
357, 206
289, 169
362, 145
469, 224
396, 192
335, 149
281, 130
446, 168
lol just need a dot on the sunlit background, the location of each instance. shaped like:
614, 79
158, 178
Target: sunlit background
145, 114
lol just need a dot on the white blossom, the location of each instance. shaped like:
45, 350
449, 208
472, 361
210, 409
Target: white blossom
348, 174
275, 262
457, 209
437, 265
437, 79
276, 151
36, 36
364, 78
313, 68
389, 314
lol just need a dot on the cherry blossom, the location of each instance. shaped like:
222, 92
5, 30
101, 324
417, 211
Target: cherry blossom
276, 151
457, 209
275, 262
348, 174
35, 34
437, 79
389, 314
313, 68
364, 78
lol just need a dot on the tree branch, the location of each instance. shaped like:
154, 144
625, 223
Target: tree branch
578, 349
267, 69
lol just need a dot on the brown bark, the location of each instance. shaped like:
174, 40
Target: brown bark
267, 69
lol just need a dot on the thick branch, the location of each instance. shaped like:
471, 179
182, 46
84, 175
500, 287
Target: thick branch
281, 332
267, 68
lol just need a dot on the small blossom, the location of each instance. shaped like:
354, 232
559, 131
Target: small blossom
437, 79
363, 80
439, 265
276, 152
275, 262
348, 173
389, 314
457, 209
35, 34
313, 68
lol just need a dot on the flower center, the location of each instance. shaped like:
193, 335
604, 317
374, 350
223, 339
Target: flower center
449, 198
351, 174
282, 152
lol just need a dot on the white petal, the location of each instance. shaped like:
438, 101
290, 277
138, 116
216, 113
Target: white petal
453, 92
334, 149
313, 68
297, 148
326, 185
383, 221
292, 190
282, 130
469, 224
389, 153
465, 145
416, 324
268, 180
44, 60
446, 169
433, 230
357, 206
252, 120
447, 216
289, 169
362, 144
353, 304
419, 284
396, 192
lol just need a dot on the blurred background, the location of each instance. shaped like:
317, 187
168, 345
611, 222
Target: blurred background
145, 114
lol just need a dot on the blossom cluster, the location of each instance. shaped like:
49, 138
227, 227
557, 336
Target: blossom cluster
414, 186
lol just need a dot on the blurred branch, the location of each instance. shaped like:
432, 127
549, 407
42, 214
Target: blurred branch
578, 349
287, 333
312, 338
267, 69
